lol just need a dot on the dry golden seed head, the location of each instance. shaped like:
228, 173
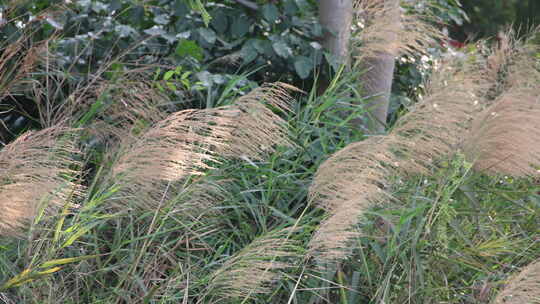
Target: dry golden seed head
189, 142
252, 270
505, 138
522, 288
127, 108
17, 60
257, 128
35, 169
357, 177
387, 29
346, 185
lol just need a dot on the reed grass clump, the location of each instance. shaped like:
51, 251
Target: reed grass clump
458, 114
188, 142
387, 29
252, 270
524, 287
505, 137
359, 176
38, 174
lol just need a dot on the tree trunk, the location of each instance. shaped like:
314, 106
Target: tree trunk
377, 86
336, 17
377, 80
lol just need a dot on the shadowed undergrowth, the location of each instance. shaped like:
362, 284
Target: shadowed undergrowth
124, 198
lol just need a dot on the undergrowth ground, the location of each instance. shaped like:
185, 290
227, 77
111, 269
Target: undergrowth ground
120, 224
450, 238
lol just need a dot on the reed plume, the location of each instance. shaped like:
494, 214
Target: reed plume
359, 176
121, 108
257, 128
388, 32
18, 59
457, 113
505, 137
387, 29
189, 142
37, 171
252, 270
523, 287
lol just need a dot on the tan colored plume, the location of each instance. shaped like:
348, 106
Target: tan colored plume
252, 270
17, 60
456, 113
257, 128
188, 142
36, 171
386, 28
522, 288
505, 137
359, 176
124, 107
387, 32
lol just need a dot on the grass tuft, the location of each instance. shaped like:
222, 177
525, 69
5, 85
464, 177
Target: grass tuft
37, 176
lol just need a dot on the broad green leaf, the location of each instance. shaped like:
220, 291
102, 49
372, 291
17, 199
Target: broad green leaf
168, 75
180, 8
189, 48
270, 12
248, 53
219, 22
115, 5
208, 35
290, 7
240, 27
126, 31
282, 49
137, 14
161, 19
303, 66
155, 31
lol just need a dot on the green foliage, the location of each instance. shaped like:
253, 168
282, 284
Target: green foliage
489, 17
452, 237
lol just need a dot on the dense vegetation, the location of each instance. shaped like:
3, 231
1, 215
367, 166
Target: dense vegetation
179, 151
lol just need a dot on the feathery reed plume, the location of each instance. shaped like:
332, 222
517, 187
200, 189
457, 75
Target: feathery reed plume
387, 29
523, 66
498, 60
196, 200
257, 128
355, 178
20, 57
388, 33
35, 169
121, 108
251, 271
17, 60
188, 142
346, 185
175, 148
522, 288
505, 137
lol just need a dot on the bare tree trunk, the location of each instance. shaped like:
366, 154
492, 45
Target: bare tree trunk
377, 80
377, 85
336, 17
